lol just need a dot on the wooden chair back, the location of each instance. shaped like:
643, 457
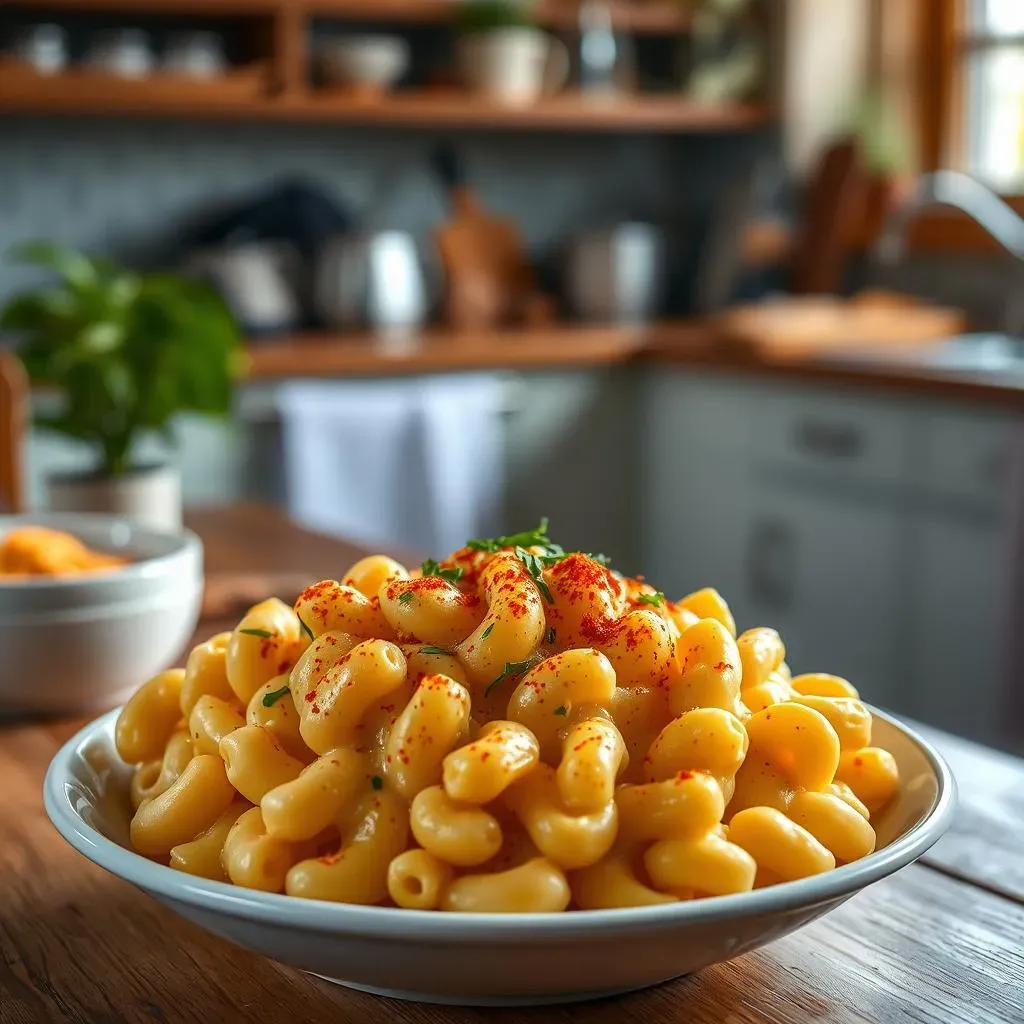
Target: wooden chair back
13, 421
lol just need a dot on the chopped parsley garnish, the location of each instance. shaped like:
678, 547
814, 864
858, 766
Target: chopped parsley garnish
263, 634
511, 670
305, 629
656, 599
433, 650
433, 568
487, 632
405, 598
535, 567
561, 710
377, 782
270, 699
526, 539
549, 636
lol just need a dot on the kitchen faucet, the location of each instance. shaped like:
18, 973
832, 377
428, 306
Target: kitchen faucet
961, 192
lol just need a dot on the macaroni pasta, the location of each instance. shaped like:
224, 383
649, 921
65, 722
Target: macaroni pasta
514, 729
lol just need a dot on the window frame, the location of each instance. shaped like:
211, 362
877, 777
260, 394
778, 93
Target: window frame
942, 45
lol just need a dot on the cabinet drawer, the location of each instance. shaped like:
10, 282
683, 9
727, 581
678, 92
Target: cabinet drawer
699, 411
828, 434
966, 455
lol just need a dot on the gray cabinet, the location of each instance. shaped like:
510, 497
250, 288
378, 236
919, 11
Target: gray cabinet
827, 573
876, 534
964, 546
958, 631
572, 451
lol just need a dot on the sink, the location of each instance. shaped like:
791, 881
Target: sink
968, 353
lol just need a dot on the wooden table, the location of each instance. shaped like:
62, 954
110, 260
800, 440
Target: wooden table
942, 941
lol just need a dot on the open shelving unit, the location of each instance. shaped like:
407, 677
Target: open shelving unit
279, 86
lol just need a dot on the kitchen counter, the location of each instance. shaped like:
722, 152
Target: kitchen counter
974, 368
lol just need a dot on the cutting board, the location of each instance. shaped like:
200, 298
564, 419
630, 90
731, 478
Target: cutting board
488, 280
795, 327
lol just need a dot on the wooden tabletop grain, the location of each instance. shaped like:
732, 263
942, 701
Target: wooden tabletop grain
942, 941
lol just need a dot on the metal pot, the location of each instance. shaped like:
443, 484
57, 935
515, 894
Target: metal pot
617, 275
373, 280
258, 282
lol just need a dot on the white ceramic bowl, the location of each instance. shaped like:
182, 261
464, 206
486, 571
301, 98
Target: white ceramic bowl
77, 643
371, 62
481, 959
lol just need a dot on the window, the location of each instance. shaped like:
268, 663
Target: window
992, 90
970, 103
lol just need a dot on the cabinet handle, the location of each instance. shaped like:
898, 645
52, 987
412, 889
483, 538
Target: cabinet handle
829, 440
772, 563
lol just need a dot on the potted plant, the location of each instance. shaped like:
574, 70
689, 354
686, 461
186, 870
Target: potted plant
888, 158
504, 55
126, 352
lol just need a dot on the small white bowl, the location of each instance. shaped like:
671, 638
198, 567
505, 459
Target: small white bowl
373, 63
486, 959
78, 643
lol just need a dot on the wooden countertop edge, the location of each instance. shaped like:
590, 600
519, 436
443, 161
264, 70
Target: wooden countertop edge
683, 343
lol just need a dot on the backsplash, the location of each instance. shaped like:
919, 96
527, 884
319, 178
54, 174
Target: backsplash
127, 186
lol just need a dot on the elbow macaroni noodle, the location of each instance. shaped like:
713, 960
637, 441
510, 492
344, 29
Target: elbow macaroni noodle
512, 730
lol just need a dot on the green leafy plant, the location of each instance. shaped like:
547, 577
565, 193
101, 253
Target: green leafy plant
127, 351
490, 15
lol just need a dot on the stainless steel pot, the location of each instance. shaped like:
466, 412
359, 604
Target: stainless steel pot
617, 275
373, 280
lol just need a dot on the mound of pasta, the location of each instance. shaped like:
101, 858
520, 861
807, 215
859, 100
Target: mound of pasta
513, 729
39, 551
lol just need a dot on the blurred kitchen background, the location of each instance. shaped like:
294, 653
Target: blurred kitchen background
678, 274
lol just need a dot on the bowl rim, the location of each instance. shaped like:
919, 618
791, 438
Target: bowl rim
185, 543
391, 923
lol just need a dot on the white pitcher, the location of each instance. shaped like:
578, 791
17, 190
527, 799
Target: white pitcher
514, 65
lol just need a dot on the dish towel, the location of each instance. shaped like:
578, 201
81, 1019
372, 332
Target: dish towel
410, 464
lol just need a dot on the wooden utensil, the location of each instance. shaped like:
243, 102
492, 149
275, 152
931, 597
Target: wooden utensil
13, 419
834, 210
487, 277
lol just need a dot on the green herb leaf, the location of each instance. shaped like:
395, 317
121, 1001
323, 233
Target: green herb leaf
270, 699
656, 599
601, 559
561, 710
433, 650
526, 539
511, 670
487, 632
535, 567
377, 782
433, 568
305, 629
549, 636
263, 634
405, 598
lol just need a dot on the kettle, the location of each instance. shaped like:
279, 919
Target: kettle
373, 279
257, 281
617, 274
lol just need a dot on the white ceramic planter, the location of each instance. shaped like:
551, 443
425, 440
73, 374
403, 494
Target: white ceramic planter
150, 496
514, 65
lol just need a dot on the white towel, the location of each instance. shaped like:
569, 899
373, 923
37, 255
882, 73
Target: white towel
465, 453
407, 463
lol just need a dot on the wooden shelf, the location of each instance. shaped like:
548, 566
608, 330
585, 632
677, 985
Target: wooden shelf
438, 349
100, 95
654, 17
214, 8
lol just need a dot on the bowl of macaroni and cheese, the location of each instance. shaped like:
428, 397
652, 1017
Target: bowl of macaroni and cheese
88, 605
512, 776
